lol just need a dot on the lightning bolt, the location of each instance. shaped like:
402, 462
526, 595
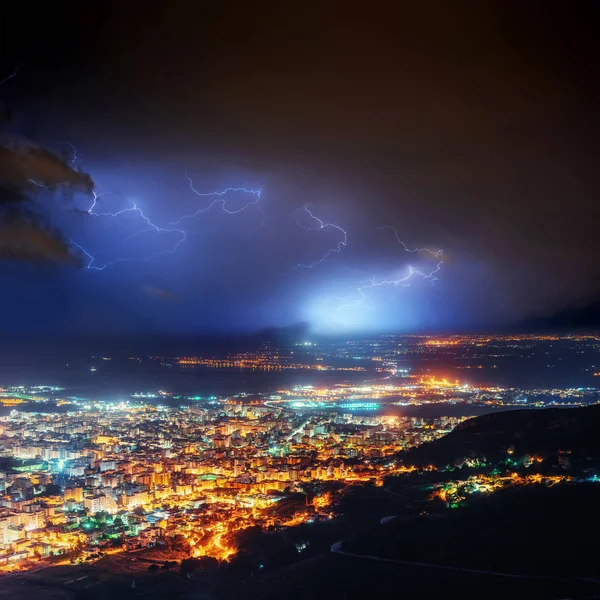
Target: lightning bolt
74, 157
320, 226
46, 187
90, 266
7, 79
400, 282
435, 253
182, 234
151, 226
220, 199
134, 208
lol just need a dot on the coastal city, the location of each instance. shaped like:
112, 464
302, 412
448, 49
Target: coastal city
128, 478
82, 477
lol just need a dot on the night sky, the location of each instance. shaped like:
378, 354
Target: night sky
470, 127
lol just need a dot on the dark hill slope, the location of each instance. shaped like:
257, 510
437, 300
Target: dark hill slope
543, 432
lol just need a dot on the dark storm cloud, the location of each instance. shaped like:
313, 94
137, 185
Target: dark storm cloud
22, 239
23, 165
27, 173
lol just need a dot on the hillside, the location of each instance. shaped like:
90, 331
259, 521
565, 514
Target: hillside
573, 431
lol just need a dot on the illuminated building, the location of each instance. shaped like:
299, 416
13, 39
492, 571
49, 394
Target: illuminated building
95, 503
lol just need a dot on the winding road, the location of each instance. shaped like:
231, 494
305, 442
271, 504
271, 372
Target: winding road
337, 549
